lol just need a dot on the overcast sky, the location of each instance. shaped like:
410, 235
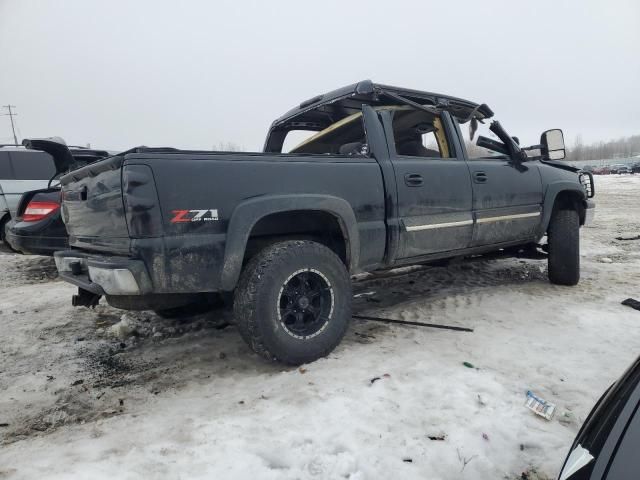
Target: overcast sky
118, 74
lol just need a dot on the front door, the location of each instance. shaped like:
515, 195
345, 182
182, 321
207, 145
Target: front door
507, 200
434, 185
507, 195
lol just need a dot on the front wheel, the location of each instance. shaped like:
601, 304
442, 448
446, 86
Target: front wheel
564, 247
293, 302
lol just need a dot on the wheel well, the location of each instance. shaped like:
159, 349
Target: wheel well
315, 225
569, 199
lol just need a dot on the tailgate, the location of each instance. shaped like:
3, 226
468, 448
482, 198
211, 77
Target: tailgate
92, 207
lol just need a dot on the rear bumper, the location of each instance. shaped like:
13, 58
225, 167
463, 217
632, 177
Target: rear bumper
103, 275
42, 237
166, 265
36, 245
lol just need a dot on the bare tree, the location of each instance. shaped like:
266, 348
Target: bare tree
624, 147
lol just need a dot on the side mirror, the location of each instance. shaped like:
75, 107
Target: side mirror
552, 142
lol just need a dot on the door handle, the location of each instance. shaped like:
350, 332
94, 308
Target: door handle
413, 180
480, 177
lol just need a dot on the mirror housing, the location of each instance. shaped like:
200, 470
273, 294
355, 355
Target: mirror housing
552, 143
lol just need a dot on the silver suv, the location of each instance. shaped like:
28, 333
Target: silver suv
21, 170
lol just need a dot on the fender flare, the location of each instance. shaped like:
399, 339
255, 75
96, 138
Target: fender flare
249, 212
553, 190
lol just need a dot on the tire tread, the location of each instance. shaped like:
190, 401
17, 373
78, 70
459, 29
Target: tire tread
247, 291
564, 247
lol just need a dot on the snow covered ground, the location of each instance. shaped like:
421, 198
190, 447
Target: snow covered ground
189, 400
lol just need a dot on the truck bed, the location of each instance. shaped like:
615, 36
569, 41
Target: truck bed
187, 213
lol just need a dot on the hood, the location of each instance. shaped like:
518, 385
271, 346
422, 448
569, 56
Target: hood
561, 165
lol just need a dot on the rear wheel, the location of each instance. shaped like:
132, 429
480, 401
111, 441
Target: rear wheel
564, 247
293, 302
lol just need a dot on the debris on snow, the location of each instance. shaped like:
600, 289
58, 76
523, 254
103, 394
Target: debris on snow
375, 379
567, 419
631, 302
364, 294
123, 329
539, 406
417, 324
465, 461
605, 260
532, 473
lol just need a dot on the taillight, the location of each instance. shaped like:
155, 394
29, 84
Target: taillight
38, 210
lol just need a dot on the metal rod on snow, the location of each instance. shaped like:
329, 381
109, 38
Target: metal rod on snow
417, 324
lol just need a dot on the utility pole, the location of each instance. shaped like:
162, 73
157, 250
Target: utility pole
11, 115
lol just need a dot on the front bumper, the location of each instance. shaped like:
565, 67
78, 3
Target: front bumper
590, 212
103, 275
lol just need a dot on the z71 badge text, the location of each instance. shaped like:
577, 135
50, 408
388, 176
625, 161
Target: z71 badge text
183, 216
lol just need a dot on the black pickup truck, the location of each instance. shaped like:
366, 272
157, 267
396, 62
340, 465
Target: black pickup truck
382, 179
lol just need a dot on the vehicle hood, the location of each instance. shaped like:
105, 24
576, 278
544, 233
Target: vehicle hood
562, 166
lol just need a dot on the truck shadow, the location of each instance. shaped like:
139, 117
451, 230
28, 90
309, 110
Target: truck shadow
436, 282
166, 353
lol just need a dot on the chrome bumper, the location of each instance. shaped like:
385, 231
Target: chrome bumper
103, 275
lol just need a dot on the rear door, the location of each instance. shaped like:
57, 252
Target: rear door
434, 186
507, 198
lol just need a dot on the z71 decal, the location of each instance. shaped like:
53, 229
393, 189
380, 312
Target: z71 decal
183, 216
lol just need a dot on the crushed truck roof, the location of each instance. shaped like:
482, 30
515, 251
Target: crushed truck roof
322, 110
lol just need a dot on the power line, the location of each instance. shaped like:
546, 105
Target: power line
11, 115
